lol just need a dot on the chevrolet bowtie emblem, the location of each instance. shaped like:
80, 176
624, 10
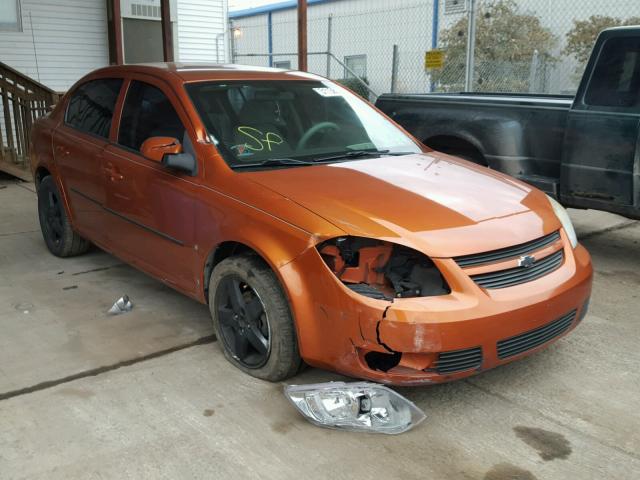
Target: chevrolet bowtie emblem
526, 261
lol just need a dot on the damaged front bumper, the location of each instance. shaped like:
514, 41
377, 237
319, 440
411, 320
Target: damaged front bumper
421, 340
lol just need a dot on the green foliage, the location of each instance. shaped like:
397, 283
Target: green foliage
582, 36
506, 40
354, 85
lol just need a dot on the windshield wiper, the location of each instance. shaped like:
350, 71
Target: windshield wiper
356, 154
276, 162
285, 161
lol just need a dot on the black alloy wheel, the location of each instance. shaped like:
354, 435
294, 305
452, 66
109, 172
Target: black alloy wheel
60, 238
243, 322
53, 217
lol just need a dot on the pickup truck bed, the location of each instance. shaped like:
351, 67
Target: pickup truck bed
510, 127
584, 150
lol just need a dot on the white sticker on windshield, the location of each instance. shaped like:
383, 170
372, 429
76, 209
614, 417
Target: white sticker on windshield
327, 92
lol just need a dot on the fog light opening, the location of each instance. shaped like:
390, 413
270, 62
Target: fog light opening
382, 361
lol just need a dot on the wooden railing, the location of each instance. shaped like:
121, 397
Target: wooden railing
23, 100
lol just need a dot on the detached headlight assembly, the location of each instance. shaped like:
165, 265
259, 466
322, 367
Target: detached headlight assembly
563, 216
358, 406
382, 270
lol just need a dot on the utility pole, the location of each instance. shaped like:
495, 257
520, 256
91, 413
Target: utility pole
302, 35
471, 45
167, 31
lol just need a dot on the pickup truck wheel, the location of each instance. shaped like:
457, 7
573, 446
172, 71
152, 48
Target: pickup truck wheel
56, 229
252, 319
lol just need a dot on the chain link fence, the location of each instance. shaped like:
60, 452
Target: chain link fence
523, 46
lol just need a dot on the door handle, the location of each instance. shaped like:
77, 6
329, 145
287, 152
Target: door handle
62, 150
112, 172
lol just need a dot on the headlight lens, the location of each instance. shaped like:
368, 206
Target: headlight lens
563, 216
358, 406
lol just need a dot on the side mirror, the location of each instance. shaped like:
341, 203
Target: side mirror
185, 162
155, 148
168, 151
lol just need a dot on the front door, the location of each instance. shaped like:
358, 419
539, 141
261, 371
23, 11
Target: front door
601, 142
78, 144
152, 208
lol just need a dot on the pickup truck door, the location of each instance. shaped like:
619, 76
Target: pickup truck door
601, 158
152, 221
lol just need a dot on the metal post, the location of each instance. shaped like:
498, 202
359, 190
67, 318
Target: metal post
435, 26
533, 72
232, 41
394, 69
270, 37
471, 45
218, 35
302, 35
329, 27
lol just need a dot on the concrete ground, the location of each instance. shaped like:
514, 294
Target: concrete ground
149, 395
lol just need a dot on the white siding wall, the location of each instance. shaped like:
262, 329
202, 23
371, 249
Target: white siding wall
70, 40
202, 31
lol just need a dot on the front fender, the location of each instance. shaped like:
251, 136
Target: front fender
222, 218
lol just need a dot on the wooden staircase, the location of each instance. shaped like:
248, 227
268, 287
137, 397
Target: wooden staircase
23, 100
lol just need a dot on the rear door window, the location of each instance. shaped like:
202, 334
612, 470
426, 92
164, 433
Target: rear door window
616, 77
147, 112
91, 106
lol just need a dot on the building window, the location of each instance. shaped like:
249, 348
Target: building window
357, 64
10, 16
284, 64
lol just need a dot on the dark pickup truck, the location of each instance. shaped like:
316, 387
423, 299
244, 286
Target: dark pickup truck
585, 150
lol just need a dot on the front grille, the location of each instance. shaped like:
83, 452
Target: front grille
506, 253
459, 360
518, 275
534, 338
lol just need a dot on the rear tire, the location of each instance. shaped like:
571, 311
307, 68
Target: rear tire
252, 319
56, 229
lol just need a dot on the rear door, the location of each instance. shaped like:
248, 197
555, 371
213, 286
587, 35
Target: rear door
78, 145
601, 141
152, 208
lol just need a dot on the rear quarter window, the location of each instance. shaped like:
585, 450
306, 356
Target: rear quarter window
91, 106
616, 78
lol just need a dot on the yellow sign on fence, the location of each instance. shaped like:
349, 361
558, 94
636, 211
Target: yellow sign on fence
433, 59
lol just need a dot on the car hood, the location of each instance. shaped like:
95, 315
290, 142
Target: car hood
439, 204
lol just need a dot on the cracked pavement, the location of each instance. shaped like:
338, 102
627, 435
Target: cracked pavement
148, 394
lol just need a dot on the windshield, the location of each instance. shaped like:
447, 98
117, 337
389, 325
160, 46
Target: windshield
254, 122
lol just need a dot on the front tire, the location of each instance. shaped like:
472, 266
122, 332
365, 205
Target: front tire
252, 319
56, 229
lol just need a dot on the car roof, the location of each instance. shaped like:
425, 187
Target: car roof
194, 72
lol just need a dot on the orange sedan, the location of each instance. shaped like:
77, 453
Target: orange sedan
315, 228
